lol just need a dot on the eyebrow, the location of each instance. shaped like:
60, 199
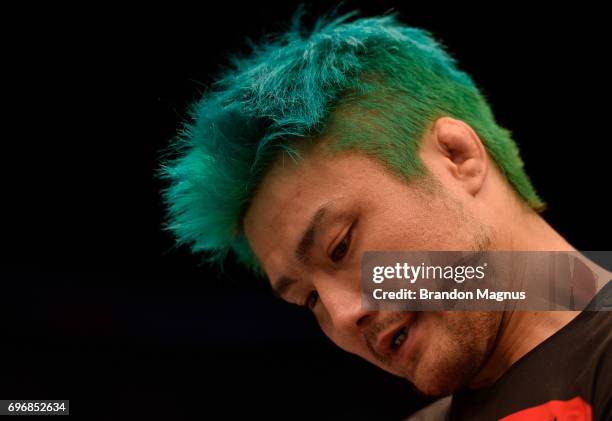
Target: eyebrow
282, 286
301, 251
307, 241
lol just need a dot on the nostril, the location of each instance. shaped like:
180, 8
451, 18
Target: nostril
363, 320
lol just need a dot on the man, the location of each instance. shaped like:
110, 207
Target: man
364, 135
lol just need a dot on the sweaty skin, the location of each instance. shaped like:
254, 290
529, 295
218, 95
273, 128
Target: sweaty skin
358, 205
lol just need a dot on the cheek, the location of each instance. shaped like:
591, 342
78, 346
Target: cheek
417, 231
467, 331
413, 220
456, 346
334, 334
438, 226
348, 343
327, 327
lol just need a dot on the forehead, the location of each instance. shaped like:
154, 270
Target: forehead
292, 192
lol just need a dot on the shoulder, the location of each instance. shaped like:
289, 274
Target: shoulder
602, 366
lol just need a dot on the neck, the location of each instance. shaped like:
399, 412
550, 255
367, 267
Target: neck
521, 331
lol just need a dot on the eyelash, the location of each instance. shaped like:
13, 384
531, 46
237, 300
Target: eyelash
313, 297
346, 241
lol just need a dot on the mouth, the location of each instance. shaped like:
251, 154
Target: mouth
397, 342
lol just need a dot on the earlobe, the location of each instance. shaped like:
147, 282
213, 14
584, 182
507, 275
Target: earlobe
464, 153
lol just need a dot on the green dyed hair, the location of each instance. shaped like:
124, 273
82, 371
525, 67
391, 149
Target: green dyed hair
373, 84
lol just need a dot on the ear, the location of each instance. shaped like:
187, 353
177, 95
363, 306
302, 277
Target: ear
462, 153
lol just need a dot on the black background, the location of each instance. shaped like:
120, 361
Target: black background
98, 306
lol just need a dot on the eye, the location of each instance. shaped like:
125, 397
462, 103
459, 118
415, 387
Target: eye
342, 248
312, 299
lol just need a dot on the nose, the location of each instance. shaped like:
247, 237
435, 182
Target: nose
346, 319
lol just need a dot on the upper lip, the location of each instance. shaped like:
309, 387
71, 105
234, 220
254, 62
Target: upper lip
385, 339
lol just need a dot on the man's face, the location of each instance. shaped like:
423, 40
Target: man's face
309, 224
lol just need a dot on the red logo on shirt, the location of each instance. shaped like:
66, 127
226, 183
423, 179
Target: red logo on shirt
573, 410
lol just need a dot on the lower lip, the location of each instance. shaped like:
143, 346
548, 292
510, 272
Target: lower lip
406, 349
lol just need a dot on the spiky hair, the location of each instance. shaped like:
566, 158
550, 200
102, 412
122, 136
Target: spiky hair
374, 84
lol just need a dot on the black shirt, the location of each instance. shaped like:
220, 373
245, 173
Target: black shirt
566, 377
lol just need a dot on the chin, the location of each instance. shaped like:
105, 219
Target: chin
436, 387
444, 370
454, 351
